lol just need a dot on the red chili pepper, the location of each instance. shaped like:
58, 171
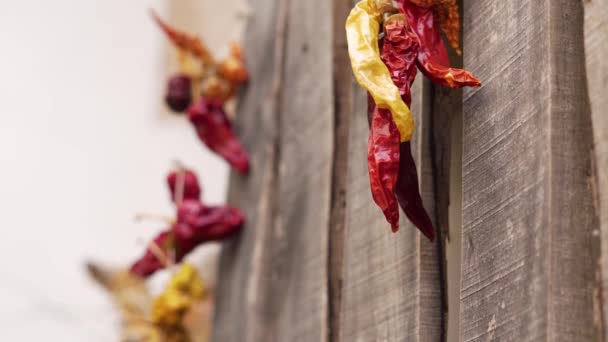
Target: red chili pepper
433, 58
408, 193
149, 262
179, 93
201, 223
195, 224
399, 50
383, 163
192, 189
214, 129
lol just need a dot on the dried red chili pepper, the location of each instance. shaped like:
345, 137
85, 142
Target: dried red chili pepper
411, 40
399, 49
432, 57
191, 188
383, 163
179, 93
195, 224
203, 87
214, 129
407, 191
150, 262
201, 223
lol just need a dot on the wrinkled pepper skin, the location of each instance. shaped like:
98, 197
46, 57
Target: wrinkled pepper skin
208, 223
148, 264
362, 27
407, 191
383, 163
399, 49
433, 58
192, 189
196, 224
214, 129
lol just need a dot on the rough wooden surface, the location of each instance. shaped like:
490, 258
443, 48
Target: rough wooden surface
305, 173
596, 52
273, 283
529, 254
343, 107
245, 306
391, 282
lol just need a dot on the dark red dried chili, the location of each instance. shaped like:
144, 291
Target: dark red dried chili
179, 93
433, 58
383, 163
150, 262
195, 224
191, 188
214, 129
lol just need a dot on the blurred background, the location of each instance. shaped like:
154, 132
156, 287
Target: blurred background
85, 144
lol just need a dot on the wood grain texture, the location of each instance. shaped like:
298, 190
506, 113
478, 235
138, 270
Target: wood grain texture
596, 52
343, 107
274, 278
305, 174
529, 255
246, 309
391, 282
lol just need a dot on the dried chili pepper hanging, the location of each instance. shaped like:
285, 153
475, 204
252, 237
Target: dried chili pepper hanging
201, 89
411, 40
362, 27
195, 224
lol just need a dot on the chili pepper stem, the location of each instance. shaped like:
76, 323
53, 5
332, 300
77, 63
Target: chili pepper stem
160, 254
153, 217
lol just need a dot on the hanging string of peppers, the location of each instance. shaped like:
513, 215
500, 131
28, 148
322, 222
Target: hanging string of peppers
201, 88
387, 42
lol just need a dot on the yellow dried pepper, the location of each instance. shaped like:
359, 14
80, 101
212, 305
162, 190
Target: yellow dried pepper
184, 288
362, 28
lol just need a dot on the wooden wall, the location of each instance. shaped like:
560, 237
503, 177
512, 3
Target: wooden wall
317, 261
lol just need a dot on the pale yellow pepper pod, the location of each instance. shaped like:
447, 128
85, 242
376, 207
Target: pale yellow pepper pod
362, 28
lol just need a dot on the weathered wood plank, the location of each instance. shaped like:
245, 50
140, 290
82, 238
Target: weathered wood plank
305, 174
343, 107
246, 309
596, 52
391, 282
529, 258
274, 281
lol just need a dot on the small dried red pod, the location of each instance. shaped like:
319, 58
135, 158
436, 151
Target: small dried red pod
191, 187
214, 129
179, 93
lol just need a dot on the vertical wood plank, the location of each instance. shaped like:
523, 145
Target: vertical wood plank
596, 52
245, 309
391, 282
274, 279
305, 173
343, 107
529, 255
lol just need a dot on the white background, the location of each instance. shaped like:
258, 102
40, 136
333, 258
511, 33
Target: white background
85, 143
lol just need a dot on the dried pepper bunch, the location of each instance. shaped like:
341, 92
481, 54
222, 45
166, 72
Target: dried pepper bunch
202, 87
387, 42
165, 317
195, 223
